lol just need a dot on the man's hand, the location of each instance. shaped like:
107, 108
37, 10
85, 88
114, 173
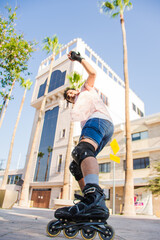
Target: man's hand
75, 56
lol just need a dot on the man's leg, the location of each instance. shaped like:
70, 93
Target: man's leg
89, 168
92, 205
89, 165
77, 173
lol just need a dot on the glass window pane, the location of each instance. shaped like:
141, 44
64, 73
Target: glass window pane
57, 80
136, 164
147, 163
134, 107
42, 89
105, 167
47, 139
144, 135
135, 136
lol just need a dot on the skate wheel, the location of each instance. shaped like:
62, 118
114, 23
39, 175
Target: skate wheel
53, 228
108, 233
88, 233
70, 230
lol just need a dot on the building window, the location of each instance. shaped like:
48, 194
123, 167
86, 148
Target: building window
107, 193
47, 139
134, 107
13, 179
104, 98
139, 136
139, 163
137, 110
105, 167
42, 89
63, 133
140, 113
57, 80
59, 163
97, 90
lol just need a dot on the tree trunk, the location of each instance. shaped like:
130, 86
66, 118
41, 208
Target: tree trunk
65, 193
25, 188
3, 105
12, 143
38, 168
129, 185
47, 167
6, 104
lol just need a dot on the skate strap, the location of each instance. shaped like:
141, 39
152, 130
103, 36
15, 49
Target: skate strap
78, 197
90, 190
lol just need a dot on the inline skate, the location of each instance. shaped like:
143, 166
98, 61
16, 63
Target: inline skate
89, 216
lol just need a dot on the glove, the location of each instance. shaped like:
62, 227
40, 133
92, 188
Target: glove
76, 56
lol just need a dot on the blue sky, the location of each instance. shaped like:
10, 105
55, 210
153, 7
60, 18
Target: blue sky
71, 19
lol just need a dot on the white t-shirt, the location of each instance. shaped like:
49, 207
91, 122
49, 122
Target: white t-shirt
89, 105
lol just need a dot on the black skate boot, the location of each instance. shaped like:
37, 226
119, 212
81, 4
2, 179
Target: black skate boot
87, 216
91, 206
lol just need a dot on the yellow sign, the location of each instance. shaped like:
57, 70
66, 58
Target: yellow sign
115, 158
115, 147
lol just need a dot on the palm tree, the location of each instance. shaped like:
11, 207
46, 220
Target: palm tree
6, 103
15, 75
27, 85
75, 80
117, 8
40, 156
50, 44
49, 153
5, 97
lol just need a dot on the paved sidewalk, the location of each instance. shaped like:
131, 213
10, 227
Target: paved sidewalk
30, 224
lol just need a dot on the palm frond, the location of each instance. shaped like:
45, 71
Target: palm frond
109, 5
75, 80
115, 14
129, 6
115, 7
51, 44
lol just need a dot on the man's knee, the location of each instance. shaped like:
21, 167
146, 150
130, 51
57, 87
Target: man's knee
82, 151
75, 170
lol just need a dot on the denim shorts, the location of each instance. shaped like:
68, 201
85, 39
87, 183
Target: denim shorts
99, 130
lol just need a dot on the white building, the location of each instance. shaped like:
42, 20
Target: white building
56, 125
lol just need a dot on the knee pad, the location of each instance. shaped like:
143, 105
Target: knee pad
82, 151
75, 170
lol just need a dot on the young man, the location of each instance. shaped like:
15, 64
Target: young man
97, 129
